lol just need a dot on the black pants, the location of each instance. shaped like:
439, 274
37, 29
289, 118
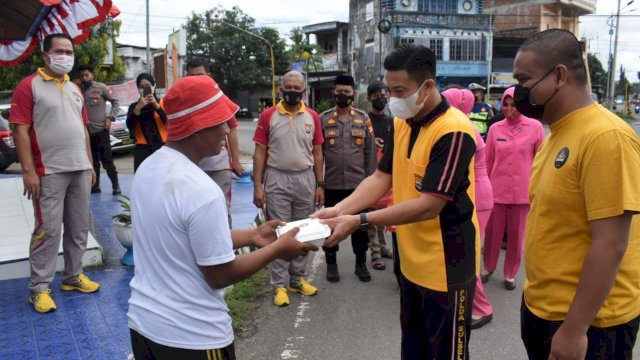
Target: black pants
435, 325
609, 343
396, 257
141, 152
145, 349
101, 152
359, 239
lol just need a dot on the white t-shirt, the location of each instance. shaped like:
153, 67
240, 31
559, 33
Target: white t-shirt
179, 219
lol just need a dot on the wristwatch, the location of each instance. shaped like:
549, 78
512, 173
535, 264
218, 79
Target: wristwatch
320, 184
364, 224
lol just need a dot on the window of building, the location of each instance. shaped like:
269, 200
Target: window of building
368, 11
407, 40
438, 6
466, 50
368, 53
436, 46
389, 4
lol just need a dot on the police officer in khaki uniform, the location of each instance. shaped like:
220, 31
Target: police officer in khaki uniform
350, 156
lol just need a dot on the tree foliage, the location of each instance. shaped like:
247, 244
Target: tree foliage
95, 48
597, 73
92, 51
301, 50
622, 83
237, 60
11, 76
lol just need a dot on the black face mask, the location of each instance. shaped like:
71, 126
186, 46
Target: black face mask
86, 84
343, 100
292, 97
379, 103
522, 99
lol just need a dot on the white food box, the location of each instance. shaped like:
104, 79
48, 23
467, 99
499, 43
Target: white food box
311, 231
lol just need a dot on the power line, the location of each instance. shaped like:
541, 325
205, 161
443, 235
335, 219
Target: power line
134, 18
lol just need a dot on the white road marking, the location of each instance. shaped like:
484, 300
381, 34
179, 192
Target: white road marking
290, 348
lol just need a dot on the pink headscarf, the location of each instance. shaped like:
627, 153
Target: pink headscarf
461, 99
514, 114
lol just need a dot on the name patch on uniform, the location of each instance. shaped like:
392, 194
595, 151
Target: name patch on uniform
359, 133
562, 157
77, 97
369, 126
332, 133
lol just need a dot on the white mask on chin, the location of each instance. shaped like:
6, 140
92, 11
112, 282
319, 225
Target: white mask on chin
407, 108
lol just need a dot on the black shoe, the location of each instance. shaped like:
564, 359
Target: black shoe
485, 277
363, 273
332, 273
510, 285
95, 190
117, 191
477, 324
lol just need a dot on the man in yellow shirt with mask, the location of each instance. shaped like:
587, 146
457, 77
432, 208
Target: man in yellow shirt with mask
582, 242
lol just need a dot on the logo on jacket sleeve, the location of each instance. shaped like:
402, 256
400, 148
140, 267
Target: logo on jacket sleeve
562, 157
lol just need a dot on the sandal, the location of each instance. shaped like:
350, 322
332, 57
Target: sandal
386, 253
378, 264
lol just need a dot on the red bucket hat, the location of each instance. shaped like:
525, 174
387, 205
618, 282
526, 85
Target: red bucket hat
194, 103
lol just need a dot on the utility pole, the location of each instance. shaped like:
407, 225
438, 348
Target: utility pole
609, 98
149, 49
612, 83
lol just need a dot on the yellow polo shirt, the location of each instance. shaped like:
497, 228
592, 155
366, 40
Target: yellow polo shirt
587, 169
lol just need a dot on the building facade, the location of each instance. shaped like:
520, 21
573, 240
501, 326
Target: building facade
321, 69
516, 20
458, 31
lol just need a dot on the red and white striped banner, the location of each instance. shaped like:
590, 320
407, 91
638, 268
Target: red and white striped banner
73, 17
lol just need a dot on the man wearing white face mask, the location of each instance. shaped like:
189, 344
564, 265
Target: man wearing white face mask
427, 161
45, 108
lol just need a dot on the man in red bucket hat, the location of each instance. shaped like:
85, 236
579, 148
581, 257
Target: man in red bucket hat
184, 249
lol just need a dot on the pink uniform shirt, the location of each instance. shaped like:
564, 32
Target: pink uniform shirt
484, 191
511, 146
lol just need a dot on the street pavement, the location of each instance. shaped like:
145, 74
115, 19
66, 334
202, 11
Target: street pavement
355, 320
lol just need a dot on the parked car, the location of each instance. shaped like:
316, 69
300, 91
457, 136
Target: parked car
7, 146
121, 140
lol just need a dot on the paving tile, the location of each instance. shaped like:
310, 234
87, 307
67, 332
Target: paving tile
86, 326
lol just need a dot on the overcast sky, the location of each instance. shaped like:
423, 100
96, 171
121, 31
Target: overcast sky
167, 16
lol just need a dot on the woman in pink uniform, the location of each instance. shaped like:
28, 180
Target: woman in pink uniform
463, 100
511, 146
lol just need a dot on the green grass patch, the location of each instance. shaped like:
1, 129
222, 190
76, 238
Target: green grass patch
241, 299
627, 118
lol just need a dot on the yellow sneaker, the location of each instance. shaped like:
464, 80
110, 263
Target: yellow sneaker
42, 301
303, 287
81, 283
281, 298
